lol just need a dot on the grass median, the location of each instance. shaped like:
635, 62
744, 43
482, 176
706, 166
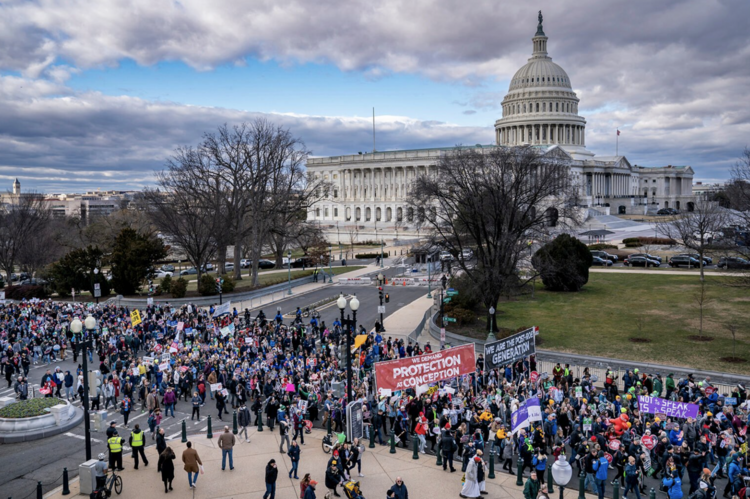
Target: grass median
651, 318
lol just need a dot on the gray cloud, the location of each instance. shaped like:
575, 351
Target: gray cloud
672, 75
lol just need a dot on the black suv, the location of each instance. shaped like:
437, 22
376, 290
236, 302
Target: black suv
707, 260
733, 263
684, 261
604, 255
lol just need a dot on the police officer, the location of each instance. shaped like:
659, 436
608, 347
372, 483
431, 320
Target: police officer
137, 442
114, 444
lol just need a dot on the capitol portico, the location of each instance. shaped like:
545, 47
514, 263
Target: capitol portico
540, 109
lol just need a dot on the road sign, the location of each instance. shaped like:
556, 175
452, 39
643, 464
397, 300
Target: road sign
451, 293
442, 336
97, 290
354, 420
449, 319
381, 309
446, 300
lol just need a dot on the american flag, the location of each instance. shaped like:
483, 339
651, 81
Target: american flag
618, 133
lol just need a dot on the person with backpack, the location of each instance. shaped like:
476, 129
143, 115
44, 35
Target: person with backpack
673, 484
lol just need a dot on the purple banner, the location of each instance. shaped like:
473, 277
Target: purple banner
656, 405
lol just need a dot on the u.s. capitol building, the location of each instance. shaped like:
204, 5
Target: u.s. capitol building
540, 109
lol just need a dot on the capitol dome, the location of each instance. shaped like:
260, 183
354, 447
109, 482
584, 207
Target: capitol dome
540, 107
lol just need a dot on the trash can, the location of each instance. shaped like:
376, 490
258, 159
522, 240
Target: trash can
87, 477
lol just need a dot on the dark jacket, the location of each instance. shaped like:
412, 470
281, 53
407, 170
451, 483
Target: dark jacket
271, 473
166, 466
293, 453
309, 493
401, 492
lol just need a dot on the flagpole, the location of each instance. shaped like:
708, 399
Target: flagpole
617, 142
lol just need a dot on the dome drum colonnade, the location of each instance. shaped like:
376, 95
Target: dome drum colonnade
540, 107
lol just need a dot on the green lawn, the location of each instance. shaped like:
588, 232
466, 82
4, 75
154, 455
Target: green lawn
601, 318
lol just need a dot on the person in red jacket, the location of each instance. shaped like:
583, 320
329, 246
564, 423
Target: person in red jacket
421, 430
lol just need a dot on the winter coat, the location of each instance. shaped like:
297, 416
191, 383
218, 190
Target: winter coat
675, 487
192, 460
166, 466
272, 473
600, 467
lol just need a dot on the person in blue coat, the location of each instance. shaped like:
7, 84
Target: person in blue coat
600, 469
674, 487
735, 471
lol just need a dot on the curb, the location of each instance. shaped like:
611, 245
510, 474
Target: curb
28, 436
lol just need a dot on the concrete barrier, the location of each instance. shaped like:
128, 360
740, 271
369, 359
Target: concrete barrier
365, 281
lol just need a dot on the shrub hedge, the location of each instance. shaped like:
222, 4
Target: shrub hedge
26, 291
368, 256
178, 288
602, 246
29, 408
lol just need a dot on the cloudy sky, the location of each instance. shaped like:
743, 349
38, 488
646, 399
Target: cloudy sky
98, 93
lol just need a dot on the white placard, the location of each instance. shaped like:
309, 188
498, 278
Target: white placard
164, 366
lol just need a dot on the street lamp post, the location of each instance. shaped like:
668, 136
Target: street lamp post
429, 277
562, 473
289, 262
491, 336
93, 290
381, 253
76, 327
444, 281
330, 270
354, 305
338, 236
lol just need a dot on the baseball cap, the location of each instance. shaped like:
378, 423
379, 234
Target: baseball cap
313, 483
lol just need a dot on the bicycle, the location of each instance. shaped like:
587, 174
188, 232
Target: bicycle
113, 481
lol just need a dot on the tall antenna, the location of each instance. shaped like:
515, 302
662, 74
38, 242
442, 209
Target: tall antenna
373, 129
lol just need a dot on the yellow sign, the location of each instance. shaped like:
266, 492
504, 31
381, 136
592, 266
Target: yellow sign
359, 340
135, 318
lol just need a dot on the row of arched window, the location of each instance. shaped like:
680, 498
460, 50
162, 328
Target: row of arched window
540, 107
540, 79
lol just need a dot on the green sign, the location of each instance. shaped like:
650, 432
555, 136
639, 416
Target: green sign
446, 300
451, 293
450, 319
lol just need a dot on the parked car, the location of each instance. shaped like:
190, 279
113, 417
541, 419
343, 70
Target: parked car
667, 211
301, 262
161, 274
641, 261
168, 267
266, 264
228, 267
652, 257
684, 261
605, 255
467, 254
33, 282
728, 262
445, 256
602, 262
707, 260
190, 271
245, 263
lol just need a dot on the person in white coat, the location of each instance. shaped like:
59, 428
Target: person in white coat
472, 488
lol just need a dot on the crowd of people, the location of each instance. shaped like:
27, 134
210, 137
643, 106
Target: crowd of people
289, 374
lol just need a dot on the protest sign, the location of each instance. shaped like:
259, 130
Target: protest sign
226, 331
148, 360
135, 317
302, 406
648, 441
415, 371
165, 357
654, 405
730, 400
586, 424
180, 326
216, 387
579, 392
533, 377
164, 366
527, 412
508, 350
223, 309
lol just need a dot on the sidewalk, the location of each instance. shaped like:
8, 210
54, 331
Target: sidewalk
421, 476
406, 319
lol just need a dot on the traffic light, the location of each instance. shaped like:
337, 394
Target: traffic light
387, 297
150, 286
219, 282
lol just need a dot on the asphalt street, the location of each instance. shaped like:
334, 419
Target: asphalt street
43, 460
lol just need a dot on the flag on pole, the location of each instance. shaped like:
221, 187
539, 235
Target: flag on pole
618, 132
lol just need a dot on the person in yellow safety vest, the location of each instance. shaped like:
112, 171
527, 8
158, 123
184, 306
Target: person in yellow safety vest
137, 442
114, 444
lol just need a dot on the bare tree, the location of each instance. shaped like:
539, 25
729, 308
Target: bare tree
738, 188
701, 299
696, 229
186, 208
353, 233
43, 248
733, 331
493, 201
20, 220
